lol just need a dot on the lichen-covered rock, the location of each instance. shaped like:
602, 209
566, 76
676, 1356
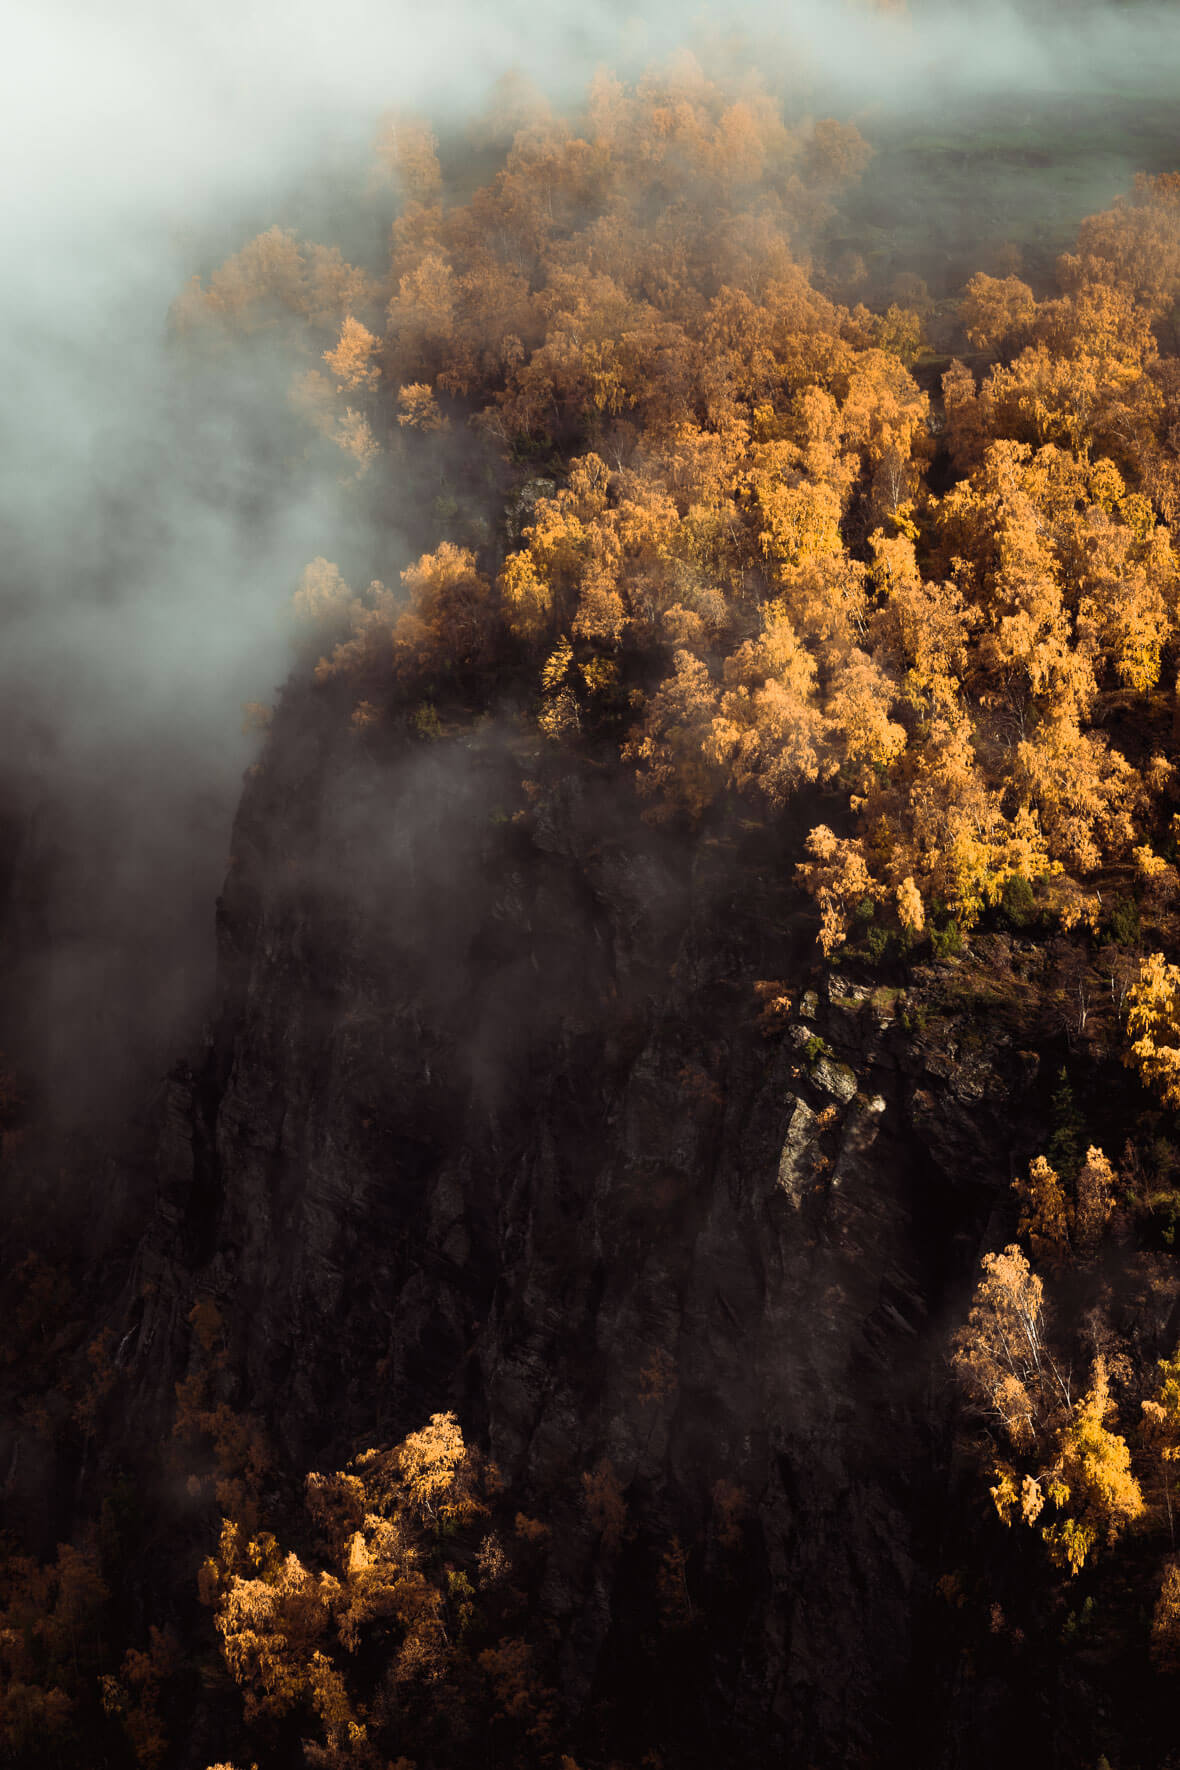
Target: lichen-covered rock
794, 1164
837, 1079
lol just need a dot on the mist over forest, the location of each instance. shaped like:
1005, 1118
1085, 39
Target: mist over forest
150, 148
590, 886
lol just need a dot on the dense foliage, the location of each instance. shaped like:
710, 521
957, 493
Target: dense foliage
734, 565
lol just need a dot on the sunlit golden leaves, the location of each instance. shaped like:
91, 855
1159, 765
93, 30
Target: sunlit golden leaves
910, 909
965, 418
1085, 793
1092, 1477
768, 733
1001, 1358
736, 529
1083, 380
676, 767
418, 409
1153, 1026
838, 878
923, 630
269, 1630
292, 1632
997, 313
1077, 1489
1061, 1228
437, 1471
1161, 1432
943, 823
449, 621
883, 414
858, 709
351, 361
1127, 592
1045, 1216
1135, 245
799, 521
527, 596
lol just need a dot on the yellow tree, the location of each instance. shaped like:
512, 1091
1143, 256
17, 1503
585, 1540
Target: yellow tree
1086, 795
939, 820
798, 519
677, 765
1153, 1025
884, 415
422, 317
542, 584
417, 408
966, 420
259, 283
292, 1636
921, 630
1004, 1364
768, 733
1080, 1468
270, 1628
1045, 1214
858, 705
1057, 1226
1127, 592
1091, 1480
825, 597
837, 876
1134, 244
351, 359
451, 617
997, 313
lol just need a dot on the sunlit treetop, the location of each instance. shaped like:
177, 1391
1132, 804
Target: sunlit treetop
730, 562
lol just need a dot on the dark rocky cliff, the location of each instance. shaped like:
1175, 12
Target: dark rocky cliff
494, 1117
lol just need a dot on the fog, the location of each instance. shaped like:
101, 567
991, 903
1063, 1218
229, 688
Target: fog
153, 526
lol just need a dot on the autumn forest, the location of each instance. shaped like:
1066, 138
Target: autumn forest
836, 591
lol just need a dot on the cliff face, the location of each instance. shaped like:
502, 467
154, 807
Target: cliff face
495, 1118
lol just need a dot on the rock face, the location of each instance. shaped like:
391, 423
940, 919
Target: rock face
495, 1118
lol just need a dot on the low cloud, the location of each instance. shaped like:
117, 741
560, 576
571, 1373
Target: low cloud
154, 526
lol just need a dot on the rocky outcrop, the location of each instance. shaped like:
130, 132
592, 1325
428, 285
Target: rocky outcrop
496, 1117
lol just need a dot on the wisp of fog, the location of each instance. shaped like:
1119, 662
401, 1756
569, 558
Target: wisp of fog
154, 527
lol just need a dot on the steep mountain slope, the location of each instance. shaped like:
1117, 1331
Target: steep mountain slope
496, 1119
